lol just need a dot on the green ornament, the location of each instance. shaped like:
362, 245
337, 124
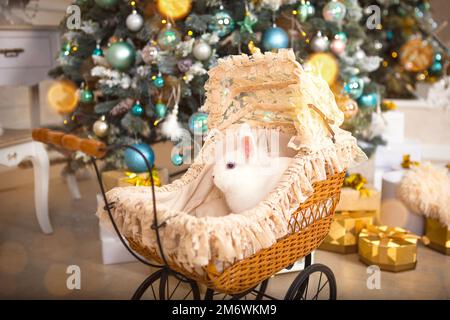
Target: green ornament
305, 10
121, 55
160, 110
247, 24
168, 38
198, 123
158, 81
86, 96
97, 51
137, 110
106, 3
222, 23
66, 49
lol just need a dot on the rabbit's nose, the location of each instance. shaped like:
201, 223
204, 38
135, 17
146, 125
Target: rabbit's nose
213, 176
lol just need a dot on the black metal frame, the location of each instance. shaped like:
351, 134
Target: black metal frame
165, 271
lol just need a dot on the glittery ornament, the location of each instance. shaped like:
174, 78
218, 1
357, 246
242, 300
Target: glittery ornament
334, 11
168, 38
198, 123
354, 87
184, 64
149, 54
222, 23
305, 11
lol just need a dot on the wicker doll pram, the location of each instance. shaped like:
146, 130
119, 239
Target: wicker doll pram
307, 225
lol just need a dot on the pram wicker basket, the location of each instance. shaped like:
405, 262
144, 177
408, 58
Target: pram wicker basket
251, 271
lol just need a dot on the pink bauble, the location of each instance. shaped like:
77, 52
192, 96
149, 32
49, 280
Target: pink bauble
337, 46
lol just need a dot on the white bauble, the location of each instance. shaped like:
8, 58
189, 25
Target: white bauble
320, 43
202, 51
134, 21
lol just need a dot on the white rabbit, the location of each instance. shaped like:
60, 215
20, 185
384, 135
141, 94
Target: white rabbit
247, 175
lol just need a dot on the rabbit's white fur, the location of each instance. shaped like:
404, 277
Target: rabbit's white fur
247, 181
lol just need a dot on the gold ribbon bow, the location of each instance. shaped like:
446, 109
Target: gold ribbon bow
357, 181
391, 236
142, 179
407, 163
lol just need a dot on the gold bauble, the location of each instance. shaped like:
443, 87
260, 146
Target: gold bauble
347, 105
100, 127
416, 55
62, 96
174, 9
324, 65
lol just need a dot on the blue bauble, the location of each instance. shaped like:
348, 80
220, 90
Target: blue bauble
275, 38
198, 123
121, 55
137, 110
160, 110
368, 100
222, 23
177, 159
158, 82
135, 162
389, 35
436, 67
354, 87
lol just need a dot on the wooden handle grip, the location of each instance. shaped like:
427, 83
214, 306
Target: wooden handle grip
94, 148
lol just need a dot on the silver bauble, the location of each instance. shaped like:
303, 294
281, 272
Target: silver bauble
100, 128
202, 51
320, 43
134, 21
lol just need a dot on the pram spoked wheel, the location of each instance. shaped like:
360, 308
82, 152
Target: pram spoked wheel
315, 282
161, 285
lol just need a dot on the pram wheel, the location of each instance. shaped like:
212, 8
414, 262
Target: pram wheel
161, 285
255, 293
316, 282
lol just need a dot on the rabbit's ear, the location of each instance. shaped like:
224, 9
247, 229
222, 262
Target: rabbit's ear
247, 147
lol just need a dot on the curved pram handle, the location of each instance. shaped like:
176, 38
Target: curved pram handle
98, 149
91, 147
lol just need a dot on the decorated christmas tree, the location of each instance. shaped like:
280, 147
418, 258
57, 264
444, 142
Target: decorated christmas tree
133, 72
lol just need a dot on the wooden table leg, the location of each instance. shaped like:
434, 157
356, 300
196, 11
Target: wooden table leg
40, 161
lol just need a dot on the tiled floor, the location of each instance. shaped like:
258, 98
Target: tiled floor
33, 265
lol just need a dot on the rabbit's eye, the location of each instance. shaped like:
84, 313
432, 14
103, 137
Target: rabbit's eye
231, 165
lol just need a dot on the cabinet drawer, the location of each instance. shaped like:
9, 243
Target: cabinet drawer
36, 51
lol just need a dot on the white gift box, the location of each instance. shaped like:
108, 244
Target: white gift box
393, 212
391, 155
113, 250
394, 129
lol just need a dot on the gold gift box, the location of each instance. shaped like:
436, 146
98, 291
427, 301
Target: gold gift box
439, 236
354, 200
122, 178
392, 249
344, 230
